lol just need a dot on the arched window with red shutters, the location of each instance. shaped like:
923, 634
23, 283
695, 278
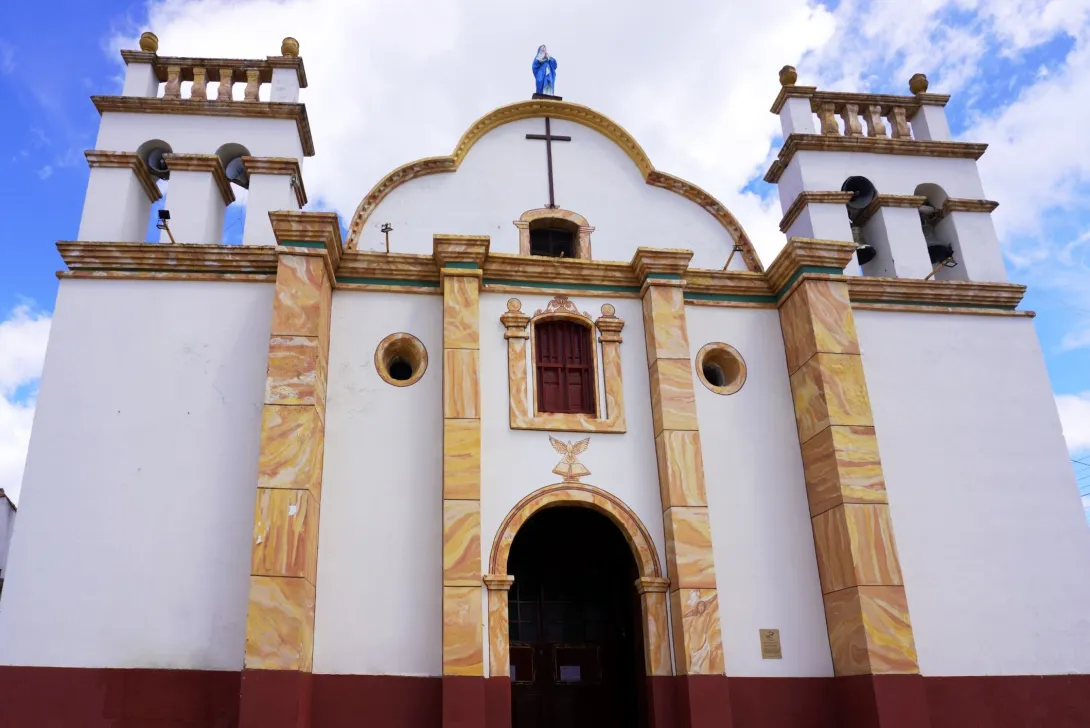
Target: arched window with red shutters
564, 363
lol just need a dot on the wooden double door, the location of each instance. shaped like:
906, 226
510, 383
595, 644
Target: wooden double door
576, 642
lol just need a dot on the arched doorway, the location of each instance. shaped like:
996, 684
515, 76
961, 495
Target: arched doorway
575, 623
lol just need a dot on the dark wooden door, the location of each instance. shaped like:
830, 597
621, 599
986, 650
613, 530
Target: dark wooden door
576, 651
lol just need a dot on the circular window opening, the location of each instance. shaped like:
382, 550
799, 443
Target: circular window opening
401, 359
721, 368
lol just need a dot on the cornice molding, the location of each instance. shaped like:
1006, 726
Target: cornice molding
100, 158
911, 104
319, 228
470, 249
869, 145
805, 198
152, 258
954, 204
287, 166
196, 107
203, 163
908, 291
802, 253
651, 262
880, 201
557, 110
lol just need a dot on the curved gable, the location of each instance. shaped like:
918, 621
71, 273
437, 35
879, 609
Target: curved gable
564, 111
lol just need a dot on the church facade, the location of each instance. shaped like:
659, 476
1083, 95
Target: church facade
536, 439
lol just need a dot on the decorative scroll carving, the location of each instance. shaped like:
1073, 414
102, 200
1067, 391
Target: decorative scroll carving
561, 304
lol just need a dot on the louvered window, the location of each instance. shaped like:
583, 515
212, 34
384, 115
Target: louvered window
564, 359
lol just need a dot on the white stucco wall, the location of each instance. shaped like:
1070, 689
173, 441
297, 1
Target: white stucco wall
992, 538
7, 526
504, 175
379, 608
189, 134
133, 546
764, 550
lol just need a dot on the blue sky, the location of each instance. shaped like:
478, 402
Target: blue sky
699, 107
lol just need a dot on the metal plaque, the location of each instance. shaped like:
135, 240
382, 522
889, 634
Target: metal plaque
770, 645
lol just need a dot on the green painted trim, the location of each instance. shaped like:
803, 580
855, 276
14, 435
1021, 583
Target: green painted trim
665, 276
464, 264
303, 244
390, 282
729, 297
823, 269
934, 304
575, 286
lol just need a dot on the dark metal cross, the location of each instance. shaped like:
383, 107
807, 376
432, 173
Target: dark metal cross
549, 139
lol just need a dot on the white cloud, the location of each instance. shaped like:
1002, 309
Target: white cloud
45, 172
23, 337
1075, 417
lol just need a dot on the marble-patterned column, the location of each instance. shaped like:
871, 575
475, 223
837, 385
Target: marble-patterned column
870, 632
284, 554
460, 260
694, 603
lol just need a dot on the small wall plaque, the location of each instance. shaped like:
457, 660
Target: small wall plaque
770, 645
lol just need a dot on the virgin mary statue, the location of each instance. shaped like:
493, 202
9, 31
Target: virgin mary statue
544, 71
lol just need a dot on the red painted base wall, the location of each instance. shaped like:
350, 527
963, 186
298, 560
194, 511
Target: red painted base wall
40, 697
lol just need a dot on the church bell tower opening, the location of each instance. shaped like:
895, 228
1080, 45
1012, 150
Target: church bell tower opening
575, 631
553, 238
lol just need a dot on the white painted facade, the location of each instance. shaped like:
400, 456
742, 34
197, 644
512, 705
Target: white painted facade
133, 547
504, 175
761, 538
994, 546
7, 529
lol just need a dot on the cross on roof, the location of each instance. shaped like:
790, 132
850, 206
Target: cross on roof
549, 139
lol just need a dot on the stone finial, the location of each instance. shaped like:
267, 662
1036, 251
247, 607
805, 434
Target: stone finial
149, 42
918, 83
289, 47
788, 76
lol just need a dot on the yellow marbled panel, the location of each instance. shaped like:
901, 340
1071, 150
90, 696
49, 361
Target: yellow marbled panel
325, 313
499, 655
664, 327
855, 547
870, 631
461, 379
673, 404
518, 388
461, 313
296, 373
461, 540
689, 547
656, 638
817, 317
292, 446
843, 466
698, 644
462, 629
830, 389
462, 459
280, 624
297, 307
611, 369
681, 468
285, 534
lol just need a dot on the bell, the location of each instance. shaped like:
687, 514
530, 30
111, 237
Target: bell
865, 254
939, 252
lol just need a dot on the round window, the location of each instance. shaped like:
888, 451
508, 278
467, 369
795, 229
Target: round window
721, 368
401, 359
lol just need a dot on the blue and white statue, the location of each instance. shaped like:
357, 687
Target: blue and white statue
544, 71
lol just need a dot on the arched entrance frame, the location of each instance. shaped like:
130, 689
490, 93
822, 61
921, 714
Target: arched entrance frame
651, 585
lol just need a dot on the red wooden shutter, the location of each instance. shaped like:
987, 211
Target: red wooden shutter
563, 352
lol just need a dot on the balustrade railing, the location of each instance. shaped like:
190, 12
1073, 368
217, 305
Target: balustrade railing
214, 79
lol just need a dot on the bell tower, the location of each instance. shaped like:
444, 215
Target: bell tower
882, 171
212, 129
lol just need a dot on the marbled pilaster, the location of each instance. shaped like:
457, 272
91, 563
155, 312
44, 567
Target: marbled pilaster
870, 631
460, 260
284, 552
698, 646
